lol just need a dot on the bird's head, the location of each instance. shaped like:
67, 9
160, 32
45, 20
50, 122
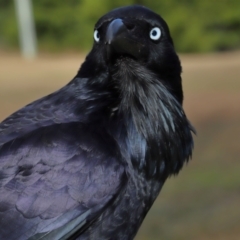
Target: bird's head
133, 35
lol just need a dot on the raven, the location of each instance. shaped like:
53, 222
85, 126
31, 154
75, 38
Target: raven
88, 161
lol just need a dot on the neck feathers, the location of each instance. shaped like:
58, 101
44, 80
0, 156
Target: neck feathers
154, 118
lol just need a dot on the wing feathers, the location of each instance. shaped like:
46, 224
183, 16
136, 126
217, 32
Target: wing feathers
66, 231
53, 178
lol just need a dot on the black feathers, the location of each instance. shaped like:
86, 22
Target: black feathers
88, 161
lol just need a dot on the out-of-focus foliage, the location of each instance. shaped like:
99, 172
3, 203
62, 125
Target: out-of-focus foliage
196, 26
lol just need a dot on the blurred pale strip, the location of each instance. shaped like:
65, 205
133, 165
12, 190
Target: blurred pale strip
27, 33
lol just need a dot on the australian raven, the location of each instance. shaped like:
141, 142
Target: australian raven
88, 161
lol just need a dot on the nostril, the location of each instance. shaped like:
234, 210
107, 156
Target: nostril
129, 26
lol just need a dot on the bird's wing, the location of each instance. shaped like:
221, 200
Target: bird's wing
54, 108
72, 103
54, 179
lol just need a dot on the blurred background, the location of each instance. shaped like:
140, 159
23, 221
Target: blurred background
203, 201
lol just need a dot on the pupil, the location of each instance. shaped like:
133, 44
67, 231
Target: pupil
154, 33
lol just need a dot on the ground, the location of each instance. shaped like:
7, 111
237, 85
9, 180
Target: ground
202, 202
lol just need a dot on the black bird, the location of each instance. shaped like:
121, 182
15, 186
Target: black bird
88, 161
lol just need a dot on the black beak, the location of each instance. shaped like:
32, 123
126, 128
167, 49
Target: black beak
115, 29
120, 40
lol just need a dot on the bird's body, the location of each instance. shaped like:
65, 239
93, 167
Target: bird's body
88, 161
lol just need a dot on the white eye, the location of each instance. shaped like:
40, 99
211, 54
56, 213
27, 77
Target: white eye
96, 36
155, 33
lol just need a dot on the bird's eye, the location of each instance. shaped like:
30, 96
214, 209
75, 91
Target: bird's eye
155, 33
96, 36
